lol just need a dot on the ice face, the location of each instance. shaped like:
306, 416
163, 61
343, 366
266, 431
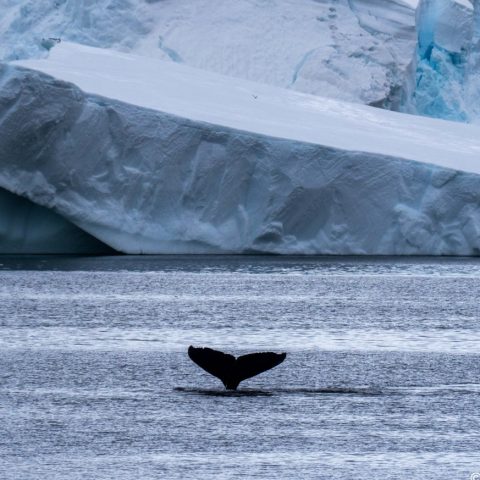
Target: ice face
199, 163
444, 70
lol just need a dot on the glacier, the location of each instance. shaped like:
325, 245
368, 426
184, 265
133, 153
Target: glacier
354, 50
151, 156
411, 56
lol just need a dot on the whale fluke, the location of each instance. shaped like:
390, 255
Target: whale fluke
230, 370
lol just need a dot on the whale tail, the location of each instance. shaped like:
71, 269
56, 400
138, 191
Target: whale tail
230, 370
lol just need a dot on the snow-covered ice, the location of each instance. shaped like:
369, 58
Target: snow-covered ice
260, 109
356, 50
158, 157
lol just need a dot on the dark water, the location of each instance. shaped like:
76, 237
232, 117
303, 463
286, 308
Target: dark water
382, 378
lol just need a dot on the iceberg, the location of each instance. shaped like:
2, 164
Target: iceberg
151, 156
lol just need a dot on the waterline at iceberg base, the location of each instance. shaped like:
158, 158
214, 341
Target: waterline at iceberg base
146, 181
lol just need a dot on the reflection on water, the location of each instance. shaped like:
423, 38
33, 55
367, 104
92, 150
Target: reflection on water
255, 264
280, 391
382, 379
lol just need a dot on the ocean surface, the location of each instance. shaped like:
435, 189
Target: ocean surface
381, 381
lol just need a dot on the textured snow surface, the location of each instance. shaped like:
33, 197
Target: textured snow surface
196, 162
356, 50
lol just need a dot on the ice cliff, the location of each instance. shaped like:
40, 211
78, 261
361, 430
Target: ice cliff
445, 73
158, 157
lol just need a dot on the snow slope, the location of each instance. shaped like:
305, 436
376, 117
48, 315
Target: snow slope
260, 109
356, 50
162, 158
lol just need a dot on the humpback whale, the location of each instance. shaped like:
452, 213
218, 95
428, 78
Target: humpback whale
230, 370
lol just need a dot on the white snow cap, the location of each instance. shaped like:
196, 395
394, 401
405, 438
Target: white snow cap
261, 109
